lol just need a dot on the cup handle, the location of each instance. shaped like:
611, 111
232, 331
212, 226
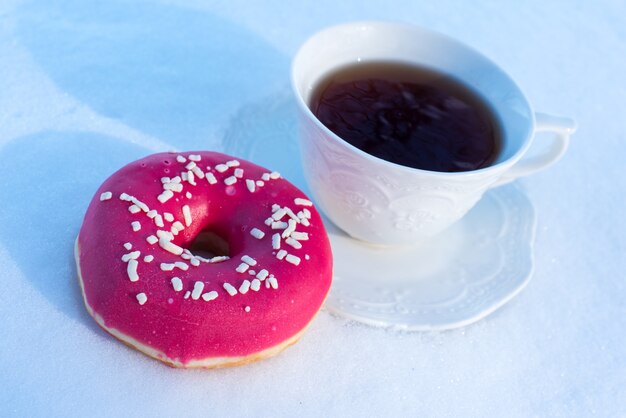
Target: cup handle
562, 128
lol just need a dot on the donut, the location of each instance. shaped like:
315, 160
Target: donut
199, 259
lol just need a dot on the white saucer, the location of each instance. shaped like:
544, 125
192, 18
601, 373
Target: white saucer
453, 280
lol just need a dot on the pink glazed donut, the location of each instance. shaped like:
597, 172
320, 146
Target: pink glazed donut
198, 259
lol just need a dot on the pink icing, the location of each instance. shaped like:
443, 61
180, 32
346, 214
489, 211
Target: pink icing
188, 329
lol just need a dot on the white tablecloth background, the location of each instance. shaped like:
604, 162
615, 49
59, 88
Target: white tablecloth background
87, 86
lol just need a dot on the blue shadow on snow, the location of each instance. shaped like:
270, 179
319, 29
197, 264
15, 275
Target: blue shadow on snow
50, 178
169, 72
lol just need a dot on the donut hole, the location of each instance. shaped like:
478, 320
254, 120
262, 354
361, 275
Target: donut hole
209, 244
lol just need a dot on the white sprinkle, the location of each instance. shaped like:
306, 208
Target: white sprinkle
262, 274
248, 260
219, 259
185, 176
260, 183
295, 244
198, 287
279, 225
302, 202
158, 221
188, 195
131, 256
191, 178
229, 181
251, 272
307, 257
165, 196
230, 289
250, 185
209, 296
168, 217
187, 215
238, 172
148, 258
273, 282
177, 284
199, 173
181, 159
185, 255
181, 265
257, 233
128, 245
305, 222
191, 165
139, 203
247, 309
245, 286
136, 225
167, 266
187, 294
241, 268
211, 178
307, 213
134, 209
177, 227
106, 196
195, 157
232, 163
293, 259
151, 213
173, 187
275, 207
269, 221
125, 197
276, 241
221, 168
165, 180
152, 239
275, 175
266, 176
290, 228
131, 269
165, 234
255, 285
267, 284
278, 215
170, 266
300, 236
141, 298
281, 254
176, 179
170, 246
194, 262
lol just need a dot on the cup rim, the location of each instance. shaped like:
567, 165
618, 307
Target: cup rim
416, 28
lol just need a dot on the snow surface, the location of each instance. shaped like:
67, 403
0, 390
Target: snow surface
88, 86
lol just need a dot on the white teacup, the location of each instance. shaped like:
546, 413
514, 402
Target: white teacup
385, 203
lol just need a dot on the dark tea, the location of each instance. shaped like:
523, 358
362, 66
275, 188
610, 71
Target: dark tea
409, 115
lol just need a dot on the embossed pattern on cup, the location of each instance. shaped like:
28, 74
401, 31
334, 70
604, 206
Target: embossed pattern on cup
375, 203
